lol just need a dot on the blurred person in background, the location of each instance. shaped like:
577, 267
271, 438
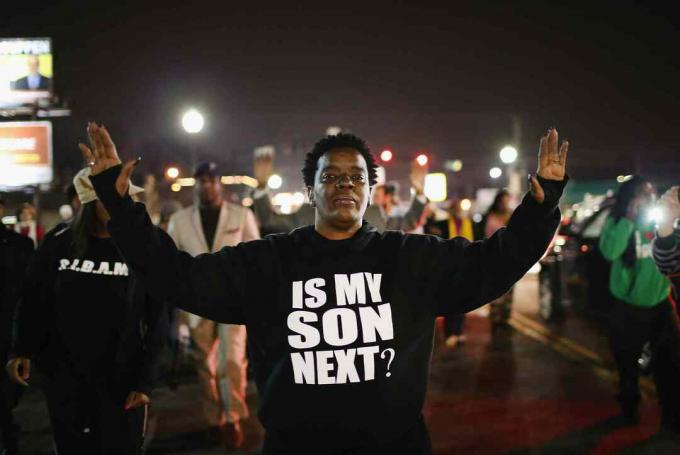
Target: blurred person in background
666, 245
457, 224
209, 225
641, 309
271, 221
27, 224
495, 218
15, 254
94, 332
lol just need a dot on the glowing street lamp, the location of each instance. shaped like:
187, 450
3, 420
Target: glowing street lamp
495, 172
422, 159
192, 121
508, 154
275, 182
386, 155
172, 172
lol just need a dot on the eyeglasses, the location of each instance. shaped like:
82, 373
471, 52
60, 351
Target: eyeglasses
331, 178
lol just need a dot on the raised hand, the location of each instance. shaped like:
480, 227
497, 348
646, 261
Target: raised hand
103, 155
135, 400
670, 208
551, 162
417, 177
19, 370
263, 168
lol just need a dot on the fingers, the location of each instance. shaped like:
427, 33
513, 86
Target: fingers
543, 155
26, 369
123, 180
88, 156
13, 372
135, 400
130, 401
128, 167
553, 139
536, 189
564, 150
107, 142
95, 140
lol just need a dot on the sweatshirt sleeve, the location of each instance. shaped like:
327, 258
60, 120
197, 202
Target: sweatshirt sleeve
475, 273
666, 251
155, 329
614, 237
212, 285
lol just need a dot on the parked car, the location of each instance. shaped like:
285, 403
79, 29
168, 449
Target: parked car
574, 274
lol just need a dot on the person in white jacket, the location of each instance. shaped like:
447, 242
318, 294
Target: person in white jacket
207, 226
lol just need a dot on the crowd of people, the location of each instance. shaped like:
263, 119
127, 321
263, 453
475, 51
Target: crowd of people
312, 300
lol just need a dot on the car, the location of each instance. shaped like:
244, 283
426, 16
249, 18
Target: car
574, 275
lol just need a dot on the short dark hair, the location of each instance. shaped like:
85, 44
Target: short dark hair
342, 140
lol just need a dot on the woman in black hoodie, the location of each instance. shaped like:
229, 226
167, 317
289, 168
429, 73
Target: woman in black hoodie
93, 331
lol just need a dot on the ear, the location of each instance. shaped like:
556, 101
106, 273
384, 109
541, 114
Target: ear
310, 196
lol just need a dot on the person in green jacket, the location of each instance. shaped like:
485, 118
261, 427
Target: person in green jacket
642, 311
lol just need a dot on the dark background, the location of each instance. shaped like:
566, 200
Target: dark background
446, 79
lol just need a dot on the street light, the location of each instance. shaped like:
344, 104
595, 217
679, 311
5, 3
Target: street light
172, 172
275, 182
422, 159
386, 155
192, 121
495, 172
508, 154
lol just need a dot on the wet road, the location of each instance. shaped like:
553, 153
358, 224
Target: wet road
532, 389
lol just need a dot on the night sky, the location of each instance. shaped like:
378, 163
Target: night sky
444, 79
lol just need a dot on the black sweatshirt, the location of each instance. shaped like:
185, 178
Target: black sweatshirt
90, 314
341, 331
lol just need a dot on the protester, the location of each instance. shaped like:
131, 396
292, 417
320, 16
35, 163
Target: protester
641, 312
15, 253
457, 224
208, 226
272, 222
94, 332
495, 218
28, 225
666, 245
326, 386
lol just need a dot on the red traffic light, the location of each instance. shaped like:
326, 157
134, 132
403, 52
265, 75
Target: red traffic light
422, 159
386, 155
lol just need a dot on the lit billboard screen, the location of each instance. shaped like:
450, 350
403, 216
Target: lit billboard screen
25, 153
25, 70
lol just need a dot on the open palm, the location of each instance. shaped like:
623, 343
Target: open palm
103, 155
551, 162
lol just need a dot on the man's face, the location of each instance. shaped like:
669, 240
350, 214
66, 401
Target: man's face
378, 195
341, 187
33, 65
208, 189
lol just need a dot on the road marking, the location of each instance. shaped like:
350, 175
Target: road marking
574, 351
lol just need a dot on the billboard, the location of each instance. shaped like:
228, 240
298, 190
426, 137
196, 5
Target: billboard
25, 153
25, 70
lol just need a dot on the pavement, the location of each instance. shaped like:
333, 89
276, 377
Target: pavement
535, 388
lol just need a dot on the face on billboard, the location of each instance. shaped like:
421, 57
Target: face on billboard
25, 70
